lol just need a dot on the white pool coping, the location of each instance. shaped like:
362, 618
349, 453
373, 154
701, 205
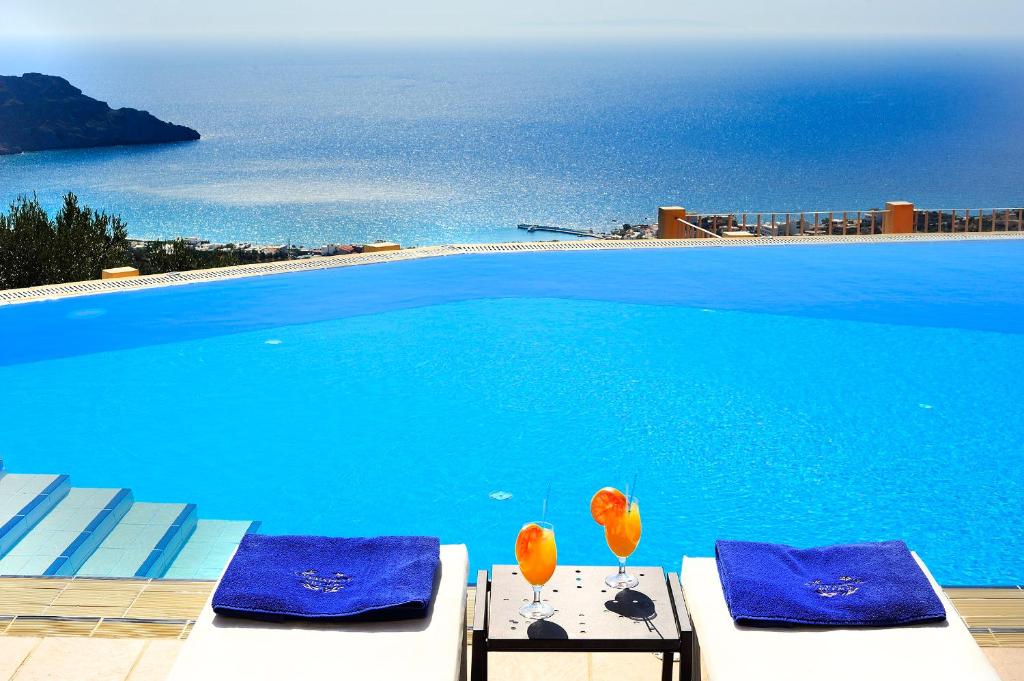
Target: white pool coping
97, 286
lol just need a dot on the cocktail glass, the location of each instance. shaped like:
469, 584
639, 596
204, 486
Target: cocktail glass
537, 556
622, 532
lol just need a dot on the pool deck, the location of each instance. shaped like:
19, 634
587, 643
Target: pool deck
132, 630
93, 287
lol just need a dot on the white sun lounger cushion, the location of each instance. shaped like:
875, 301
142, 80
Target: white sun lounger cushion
936, 652
222, 648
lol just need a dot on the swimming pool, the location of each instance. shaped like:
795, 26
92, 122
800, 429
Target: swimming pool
805, 395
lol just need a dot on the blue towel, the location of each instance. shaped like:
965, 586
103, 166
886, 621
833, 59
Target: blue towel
279, 578
875, 584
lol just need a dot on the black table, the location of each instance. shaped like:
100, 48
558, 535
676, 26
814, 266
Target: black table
589, 616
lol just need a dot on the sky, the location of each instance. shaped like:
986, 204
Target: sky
503, 21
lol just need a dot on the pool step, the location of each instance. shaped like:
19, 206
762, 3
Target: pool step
24, 500
68, 534
49, 528
208, 551
144, 543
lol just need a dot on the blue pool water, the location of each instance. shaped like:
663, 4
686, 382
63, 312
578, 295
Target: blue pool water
805, 395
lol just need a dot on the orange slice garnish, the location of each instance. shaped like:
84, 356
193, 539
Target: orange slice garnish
607, 504
528, 535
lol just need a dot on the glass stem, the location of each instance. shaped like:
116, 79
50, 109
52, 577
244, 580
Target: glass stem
536, 595
622, 566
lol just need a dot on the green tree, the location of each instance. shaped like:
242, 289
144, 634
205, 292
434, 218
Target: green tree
79, 242
86, 242
25, 243
74, 246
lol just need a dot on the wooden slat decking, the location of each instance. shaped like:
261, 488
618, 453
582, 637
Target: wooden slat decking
105, 608
157, 608
995, 615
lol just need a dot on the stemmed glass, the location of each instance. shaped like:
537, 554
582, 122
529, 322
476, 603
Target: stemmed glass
537, 555
622, 532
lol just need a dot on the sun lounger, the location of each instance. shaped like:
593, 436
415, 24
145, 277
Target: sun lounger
726, 652
222, 648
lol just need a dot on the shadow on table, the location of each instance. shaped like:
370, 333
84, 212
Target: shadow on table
635, 605
543, 629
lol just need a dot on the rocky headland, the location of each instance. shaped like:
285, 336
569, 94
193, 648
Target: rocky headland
39, 112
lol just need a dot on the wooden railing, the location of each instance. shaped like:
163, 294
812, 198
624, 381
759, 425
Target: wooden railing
692, 231
959, 220
792, 223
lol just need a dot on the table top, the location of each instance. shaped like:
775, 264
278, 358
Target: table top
589, 615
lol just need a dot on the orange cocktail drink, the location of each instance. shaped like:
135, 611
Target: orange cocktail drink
537, 555
623, 532
620, 517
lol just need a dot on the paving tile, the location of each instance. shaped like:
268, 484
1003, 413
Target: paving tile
81, 659
113, 598
171, 600
538, 667
49, 626
113, 628
25, 597
14, 650
1009, 639
623, 666
1009, 662
156, 661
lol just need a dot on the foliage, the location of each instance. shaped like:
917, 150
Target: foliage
79, 242
178, 256
75, 245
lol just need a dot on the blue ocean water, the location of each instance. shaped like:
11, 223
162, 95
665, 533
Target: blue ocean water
423, 146
803, 395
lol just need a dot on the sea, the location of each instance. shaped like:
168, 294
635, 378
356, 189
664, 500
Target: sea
428, 144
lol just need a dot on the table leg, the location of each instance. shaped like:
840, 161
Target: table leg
690, 664
689, 652
666, 666
483, 587
479, 672
686, 660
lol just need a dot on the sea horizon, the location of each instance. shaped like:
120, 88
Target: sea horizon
432, 144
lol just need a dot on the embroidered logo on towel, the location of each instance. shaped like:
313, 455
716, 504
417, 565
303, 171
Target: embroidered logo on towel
330, 584
846, 586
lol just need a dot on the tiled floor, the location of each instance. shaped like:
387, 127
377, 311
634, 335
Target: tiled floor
93, 659
1009, 663
85, 659
55, 532
994, 615
131, 630
17, 489
24, 499
208, 550
101, 608
130, 543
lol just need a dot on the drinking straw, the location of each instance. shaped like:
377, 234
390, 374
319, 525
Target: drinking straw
631, 492
544, 509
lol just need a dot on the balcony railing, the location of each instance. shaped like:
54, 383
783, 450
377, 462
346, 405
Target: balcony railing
692, 231
794, 223
961, 220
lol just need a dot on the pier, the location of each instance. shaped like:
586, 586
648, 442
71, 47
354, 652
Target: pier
564, 230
